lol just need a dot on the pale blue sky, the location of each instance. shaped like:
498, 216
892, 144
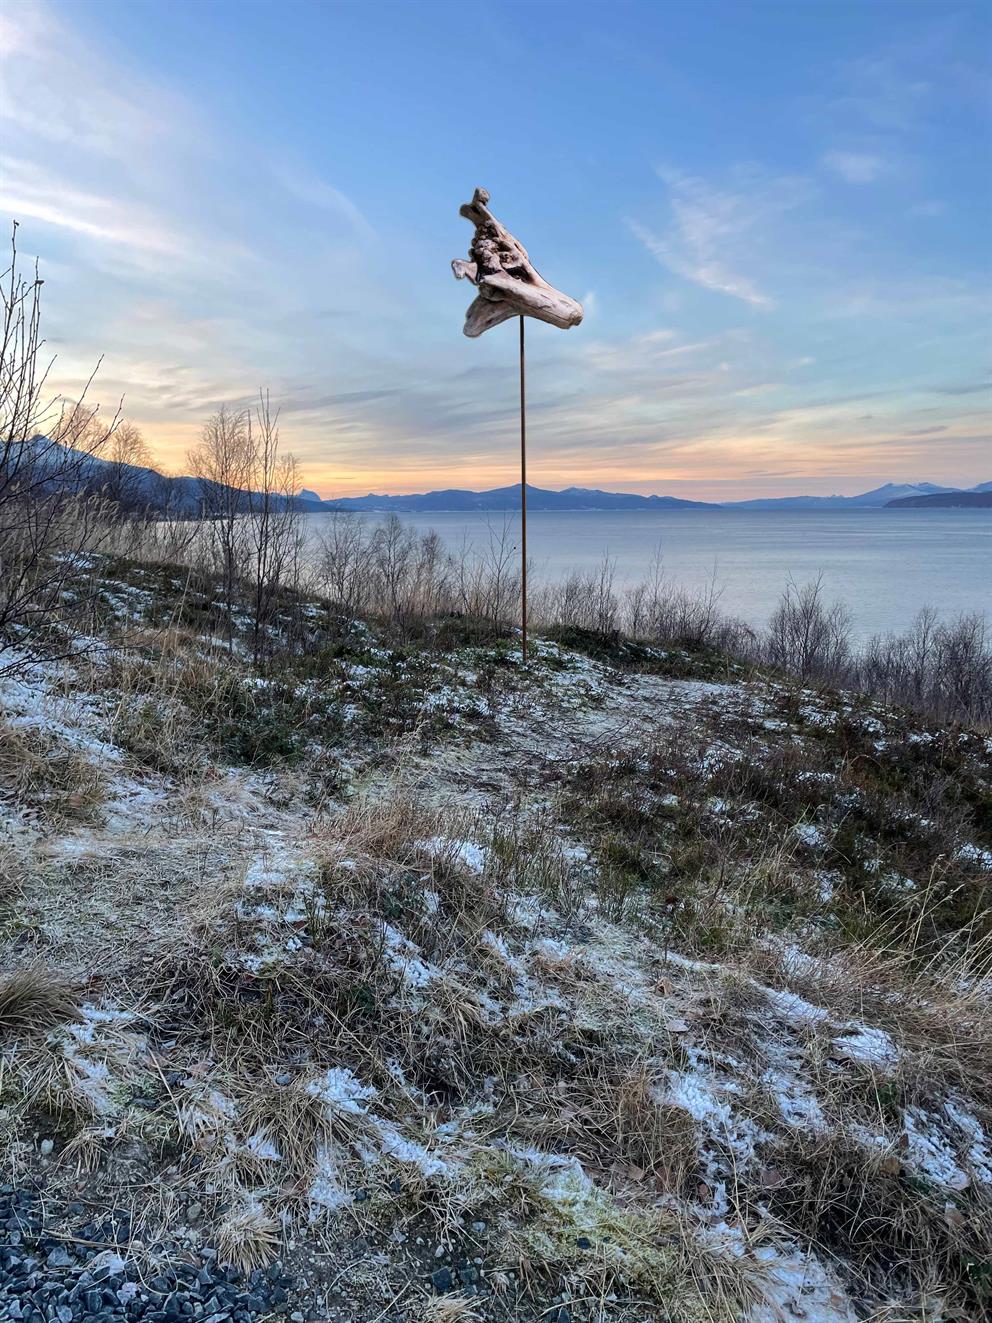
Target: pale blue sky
776, 215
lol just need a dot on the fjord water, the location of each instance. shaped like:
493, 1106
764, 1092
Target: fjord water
883, 564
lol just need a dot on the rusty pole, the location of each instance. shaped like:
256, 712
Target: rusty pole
523, 499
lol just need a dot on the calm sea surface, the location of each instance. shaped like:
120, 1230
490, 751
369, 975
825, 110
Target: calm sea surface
883, 564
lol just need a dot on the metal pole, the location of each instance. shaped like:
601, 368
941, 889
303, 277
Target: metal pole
523, 499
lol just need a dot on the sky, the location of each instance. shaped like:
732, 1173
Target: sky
775, 214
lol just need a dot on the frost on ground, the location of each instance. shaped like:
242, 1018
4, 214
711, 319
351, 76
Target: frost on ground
631, 994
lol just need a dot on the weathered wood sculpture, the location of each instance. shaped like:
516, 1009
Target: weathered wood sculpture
508, 285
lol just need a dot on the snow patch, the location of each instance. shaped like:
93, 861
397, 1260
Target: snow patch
466, 853
341, 1091
871, 1046
793, 1008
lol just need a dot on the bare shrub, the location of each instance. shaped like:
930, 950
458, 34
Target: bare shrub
694, 619
806, 637
389, 571
248, 489
488, 583
400, 566
153, 535
941, 669
583, 601
273, 521
341, 562
658, 611
49, 448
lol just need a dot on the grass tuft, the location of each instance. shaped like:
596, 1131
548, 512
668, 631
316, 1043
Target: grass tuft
34, 1000
247, 1236
40, 772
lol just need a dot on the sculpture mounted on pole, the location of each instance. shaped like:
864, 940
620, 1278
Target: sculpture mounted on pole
509, 286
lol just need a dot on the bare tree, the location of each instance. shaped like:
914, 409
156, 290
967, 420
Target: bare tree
342, 562
393, 550
489, 585
274, 523
222, 464
122, 480
49, 448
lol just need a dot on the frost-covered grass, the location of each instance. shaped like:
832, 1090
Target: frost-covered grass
665, 994
45, 776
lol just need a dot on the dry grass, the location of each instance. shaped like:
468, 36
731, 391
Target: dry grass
407, 1012
14, 863
33, 1000
612, 1117
247, 1236
449, 1309
86, 1150
42, 774
939, 1008
153, 720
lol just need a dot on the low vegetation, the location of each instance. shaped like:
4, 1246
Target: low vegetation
643, 983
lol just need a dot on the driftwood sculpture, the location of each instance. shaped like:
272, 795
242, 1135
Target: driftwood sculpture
508, 284
499, 268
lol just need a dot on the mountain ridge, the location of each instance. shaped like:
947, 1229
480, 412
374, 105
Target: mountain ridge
979, 498
508, 499
582, 498
183, 495
877, 497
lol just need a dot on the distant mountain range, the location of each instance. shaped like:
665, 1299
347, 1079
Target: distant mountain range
182, 495
875, 499
581, 498
508, 499
978, 498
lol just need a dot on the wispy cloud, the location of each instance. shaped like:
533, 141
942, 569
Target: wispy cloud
30, 193
971, 388
164, 255
716, 233
856, 167
700, 264
58, 87
887, 91
316, 192
931, 207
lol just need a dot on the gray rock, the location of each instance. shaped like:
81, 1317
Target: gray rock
442, 1280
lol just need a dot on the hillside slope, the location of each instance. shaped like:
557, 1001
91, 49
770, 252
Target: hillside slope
399, 983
